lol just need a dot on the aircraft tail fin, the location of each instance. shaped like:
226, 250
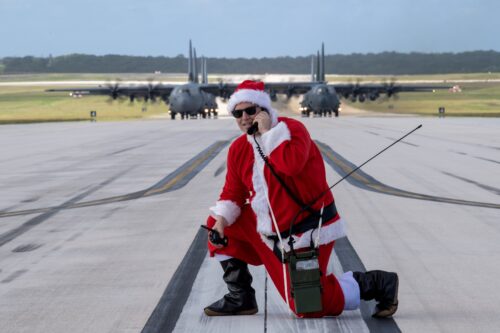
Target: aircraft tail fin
322, 75
204, 74
195, 66
318, 70
312, 69
190, 63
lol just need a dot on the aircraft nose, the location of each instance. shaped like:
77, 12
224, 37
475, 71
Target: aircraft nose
323, 101
184, 103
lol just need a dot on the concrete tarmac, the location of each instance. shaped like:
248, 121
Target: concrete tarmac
99, 224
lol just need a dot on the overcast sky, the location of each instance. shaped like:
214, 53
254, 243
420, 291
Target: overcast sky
254, 28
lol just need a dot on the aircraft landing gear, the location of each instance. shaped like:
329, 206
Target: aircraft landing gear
306, 113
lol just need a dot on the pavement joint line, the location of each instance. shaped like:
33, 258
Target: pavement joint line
265, 303
166, 313
14, 276
492, 189
365, 181
174, 181
33, 222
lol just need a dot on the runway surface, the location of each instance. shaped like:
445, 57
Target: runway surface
99, 225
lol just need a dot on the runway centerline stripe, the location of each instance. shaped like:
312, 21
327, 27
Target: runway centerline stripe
175, 180
365, 181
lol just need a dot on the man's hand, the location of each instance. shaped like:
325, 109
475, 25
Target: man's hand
220, 224
264, 120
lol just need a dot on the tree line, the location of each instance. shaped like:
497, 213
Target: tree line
364, 64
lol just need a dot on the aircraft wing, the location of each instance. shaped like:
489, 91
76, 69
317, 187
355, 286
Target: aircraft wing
221, 89
349, 89
388, 89
146, 91
289, 88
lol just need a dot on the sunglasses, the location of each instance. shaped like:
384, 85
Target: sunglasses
251, 110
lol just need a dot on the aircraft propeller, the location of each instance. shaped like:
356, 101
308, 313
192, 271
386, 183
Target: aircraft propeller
114, 89
390, 90
224, 92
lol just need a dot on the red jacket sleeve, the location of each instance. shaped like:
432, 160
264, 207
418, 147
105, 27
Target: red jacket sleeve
288, 145
233, 193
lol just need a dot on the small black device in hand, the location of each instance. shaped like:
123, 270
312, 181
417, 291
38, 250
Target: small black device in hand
214, 237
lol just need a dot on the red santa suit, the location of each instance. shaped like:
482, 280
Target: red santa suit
251, 194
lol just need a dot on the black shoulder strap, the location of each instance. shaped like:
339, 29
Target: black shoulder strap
287, 189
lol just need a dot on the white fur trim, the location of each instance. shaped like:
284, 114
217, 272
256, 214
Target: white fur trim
328, 234
221, 257
275, 136
259, 202
350, 289
257, 97
227, 209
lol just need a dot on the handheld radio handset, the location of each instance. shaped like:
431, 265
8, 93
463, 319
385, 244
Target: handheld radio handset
253, 129
255, 126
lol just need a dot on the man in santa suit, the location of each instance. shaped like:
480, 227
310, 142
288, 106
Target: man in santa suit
255, 205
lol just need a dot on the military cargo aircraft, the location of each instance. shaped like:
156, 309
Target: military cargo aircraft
195, 99
190, 100
322, 98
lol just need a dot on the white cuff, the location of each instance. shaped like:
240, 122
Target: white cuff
351, 291
227, 209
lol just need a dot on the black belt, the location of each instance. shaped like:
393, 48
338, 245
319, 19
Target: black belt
310, 222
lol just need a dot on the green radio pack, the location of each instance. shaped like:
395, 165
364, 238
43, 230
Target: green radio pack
305, 280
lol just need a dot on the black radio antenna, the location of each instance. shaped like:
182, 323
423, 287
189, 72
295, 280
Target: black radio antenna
380, 152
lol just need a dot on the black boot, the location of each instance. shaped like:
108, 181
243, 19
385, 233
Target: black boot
381, 286
241, 297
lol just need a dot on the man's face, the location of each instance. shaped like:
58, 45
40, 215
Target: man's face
245, 121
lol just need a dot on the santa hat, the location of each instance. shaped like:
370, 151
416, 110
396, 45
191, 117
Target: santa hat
253, 92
